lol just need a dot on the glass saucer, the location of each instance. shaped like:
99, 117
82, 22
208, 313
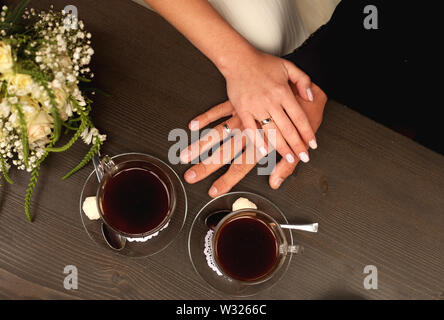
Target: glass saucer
198, 236
154, 244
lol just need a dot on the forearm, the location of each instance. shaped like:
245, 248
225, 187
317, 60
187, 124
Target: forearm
202, 25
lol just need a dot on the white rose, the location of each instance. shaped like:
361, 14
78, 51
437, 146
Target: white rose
30, 108
6, 61
40, 127
22, 82
60, 98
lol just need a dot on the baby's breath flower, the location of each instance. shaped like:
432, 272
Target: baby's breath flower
39, 71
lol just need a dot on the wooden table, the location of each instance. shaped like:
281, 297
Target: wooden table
379, 197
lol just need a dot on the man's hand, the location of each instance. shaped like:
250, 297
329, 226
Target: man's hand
239, 169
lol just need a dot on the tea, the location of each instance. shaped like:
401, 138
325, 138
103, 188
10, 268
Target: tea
135, 200
246, 248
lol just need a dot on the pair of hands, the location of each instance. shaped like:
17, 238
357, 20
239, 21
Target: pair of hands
238, 170
257, 83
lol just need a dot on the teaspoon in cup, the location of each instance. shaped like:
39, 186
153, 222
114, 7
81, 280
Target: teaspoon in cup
213, 219
114, 240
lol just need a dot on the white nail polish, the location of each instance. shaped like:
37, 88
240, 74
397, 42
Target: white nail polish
304, 157
263, 151
184, 156
310, 94
313, 144
289, 158
213, 191
194, 125
190, 175
278, 182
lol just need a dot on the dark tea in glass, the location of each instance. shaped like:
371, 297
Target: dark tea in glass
135, 199
246, 248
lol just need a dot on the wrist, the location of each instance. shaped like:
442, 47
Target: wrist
232, 61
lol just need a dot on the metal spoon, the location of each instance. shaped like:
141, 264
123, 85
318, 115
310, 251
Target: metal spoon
114, 240
213, 219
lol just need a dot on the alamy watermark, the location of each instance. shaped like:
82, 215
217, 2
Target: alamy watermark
72, 17
218, 147
71, 281
371, 278
371, 20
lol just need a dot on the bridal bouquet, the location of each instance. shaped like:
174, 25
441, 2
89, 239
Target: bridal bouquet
44, 58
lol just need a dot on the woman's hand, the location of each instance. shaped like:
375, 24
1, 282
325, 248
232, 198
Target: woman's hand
239, 169
259, 88
257, 83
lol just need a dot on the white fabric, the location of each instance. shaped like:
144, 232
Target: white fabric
275, 26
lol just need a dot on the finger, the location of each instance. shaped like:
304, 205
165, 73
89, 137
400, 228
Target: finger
215, 113
291, 134
299, 119
252, 131
300, 79
281, 172
235, 173
214, 136
277, 141
223, 155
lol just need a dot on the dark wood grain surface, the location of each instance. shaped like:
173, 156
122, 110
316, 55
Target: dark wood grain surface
379, 197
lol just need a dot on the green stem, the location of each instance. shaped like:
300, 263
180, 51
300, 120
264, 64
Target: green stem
23, 134
4, 171
54, 112
32, 183
76, 136
94, 149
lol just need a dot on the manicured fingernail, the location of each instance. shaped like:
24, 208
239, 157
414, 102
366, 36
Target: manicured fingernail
289, 158
194, 125
190, 175
313, 144
213, 191
277, 182
304, 157
185, 156
263, 151
310, 94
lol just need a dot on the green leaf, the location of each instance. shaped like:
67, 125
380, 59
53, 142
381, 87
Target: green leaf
76, 136
54, 112
83, 79
16, 14
4, 171
57, 123
32, 183
23, 134
94, 149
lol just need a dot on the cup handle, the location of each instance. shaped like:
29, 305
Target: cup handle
106, 166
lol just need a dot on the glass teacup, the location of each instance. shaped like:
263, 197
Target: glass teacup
135, 198
249, 246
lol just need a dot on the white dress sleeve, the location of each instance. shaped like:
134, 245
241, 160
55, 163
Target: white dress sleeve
275, 26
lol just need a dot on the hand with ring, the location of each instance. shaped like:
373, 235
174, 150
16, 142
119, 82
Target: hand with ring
261, 92
231, 128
